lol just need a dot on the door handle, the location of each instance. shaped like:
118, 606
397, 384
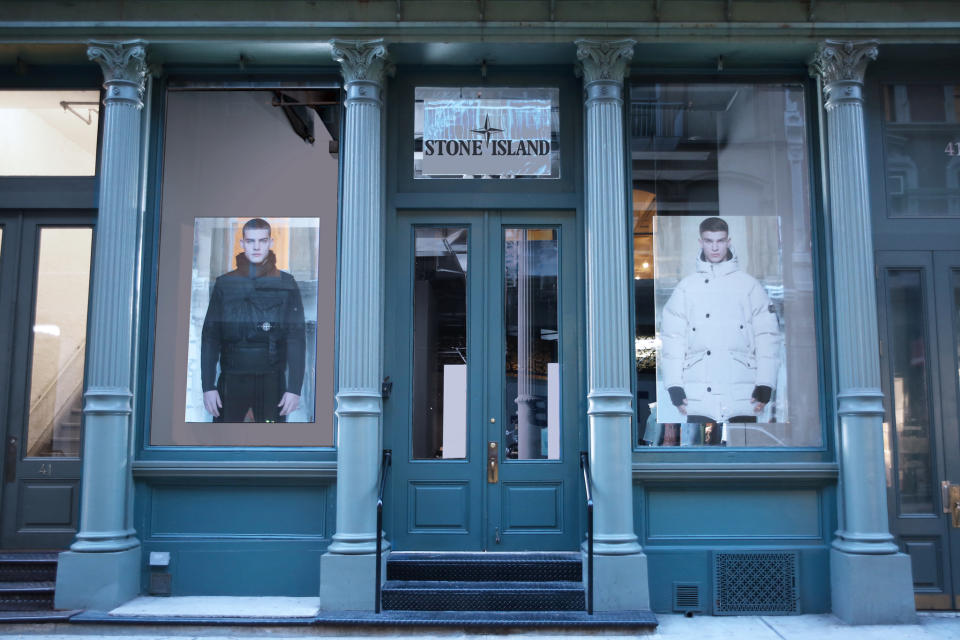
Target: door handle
10, 461
493, 470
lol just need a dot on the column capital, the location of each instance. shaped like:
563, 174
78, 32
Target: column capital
124, 66
364, 65
841, 64
604, 63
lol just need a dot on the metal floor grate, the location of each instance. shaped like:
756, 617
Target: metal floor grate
755, 583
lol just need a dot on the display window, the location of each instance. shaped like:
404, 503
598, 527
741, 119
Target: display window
725, 336
246, 286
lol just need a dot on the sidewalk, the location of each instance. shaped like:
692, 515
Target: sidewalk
932, 626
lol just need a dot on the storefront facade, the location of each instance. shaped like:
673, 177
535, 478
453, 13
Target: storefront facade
691, 246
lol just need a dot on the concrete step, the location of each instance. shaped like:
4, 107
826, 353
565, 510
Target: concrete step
425, 595
28, 566
485, 567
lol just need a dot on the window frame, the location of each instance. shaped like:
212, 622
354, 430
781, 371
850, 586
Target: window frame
659, 461
190, 460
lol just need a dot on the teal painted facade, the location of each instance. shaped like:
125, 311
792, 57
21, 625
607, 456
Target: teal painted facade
263, 521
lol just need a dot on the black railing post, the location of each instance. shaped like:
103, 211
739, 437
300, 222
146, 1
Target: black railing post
588, 488
384, 469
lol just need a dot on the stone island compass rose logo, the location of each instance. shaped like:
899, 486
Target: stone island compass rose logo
487, 130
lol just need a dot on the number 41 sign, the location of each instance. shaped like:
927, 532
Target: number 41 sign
952, 148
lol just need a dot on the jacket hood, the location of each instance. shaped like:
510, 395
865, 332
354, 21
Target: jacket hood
729, 265
246, 268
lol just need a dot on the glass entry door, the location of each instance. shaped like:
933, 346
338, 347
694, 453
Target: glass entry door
482, 352
920, 333
44, 290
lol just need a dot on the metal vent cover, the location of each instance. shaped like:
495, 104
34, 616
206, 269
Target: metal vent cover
755, 583
686, 597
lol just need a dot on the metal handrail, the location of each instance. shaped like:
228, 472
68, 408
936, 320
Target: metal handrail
588, 487
385, 464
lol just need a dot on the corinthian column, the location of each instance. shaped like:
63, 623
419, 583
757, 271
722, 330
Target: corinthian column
102, 568
348, 568
864, 559
620, 570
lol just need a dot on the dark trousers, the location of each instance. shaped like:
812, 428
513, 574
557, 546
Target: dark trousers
254, 393
714, 430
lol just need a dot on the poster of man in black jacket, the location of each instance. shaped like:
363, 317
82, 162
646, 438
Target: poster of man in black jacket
254, 329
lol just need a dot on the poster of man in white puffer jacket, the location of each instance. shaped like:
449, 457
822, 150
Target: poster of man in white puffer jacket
720, 339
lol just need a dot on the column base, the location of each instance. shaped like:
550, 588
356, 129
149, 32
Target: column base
97, 581
620, 582
347, 581
872, 589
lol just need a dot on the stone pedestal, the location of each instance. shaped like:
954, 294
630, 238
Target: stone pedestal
97, 581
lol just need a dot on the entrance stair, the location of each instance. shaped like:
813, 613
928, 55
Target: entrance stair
27, 581
484, 582
496, 589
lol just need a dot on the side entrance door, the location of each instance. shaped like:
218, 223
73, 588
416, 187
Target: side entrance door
45, 262
919, 314
482, 349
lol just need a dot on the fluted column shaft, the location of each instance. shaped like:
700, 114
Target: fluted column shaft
108, 398
610, 406
864, 526
359, 403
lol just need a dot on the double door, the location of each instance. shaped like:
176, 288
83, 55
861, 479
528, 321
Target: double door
45, 262
482, 349
919, 310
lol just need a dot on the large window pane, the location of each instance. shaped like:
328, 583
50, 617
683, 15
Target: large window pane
922, 149
48, 133
532, 358
246, 286
911, 399
725, 338
59, 342
440, 363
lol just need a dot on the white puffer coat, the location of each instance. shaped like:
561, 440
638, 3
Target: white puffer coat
719, 339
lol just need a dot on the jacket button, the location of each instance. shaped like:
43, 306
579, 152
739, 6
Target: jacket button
694, 329
708, 315
708, 353
709, 389
707, 281
741, 326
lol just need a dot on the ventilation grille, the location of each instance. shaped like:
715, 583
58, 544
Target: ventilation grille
686, 597
755, 583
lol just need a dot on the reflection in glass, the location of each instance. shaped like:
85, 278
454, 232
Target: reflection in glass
911, 401
922, 149
48, 133
59, 342
736, 151
440, 343
488, 122
531, 322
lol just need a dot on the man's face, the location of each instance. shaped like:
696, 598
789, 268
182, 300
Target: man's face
715, 245
256, 244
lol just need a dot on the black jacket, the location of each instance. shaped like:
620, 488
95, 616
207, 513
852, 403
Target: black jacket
254, 324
